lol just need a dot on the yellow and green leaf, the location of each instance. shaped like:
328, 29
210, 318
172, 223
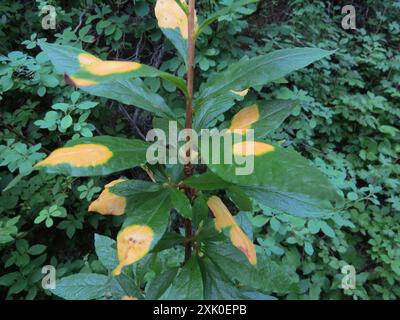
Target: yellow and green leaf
133, 243
95, 156
127, 91
278, 178
144, 226
173, 22
215, 95
93, 71
109, 203
263, 117
224, 219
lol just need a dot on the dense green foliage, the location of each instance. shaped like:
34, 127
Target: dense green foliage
346, 124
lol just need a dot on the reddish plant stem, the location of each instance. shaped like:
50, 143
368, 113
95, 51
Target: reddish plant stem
189, 112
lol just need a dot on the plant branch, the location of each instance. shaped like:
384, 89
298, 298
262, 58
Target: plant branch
189, 112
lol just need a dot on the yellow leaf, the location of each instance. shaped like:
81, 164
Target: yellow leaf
80, 155
171, 16
109, 203
244, 119
241, 93
133, 243
129, 298
250, 148
104, 68
224, 219
86, 59
78, 82
98, 67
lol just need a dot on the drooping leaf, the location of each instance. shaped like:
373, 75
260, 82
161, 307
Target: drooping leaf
108, 203
188, 284
82, 286
224, 219
95, 156
215, 96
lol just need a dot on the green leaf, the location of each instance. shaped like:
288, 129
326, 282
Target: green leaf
49, 81
66, 122
325, 228
232, 8
217, 285
132, 92
215, 96
256, 295
81, 286
129, 188
240, 198
160, 284
392, 131
169, 240
267, 276
181, 203
308, 248
281, 179
9, 278
106, 251
313, 226
352, 196
207, 181
95, 156
188, 284
200, 211
37, 249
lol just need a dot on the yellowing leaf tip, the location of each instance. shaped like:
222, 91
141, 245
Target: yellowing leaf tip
109, 203
242, 93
